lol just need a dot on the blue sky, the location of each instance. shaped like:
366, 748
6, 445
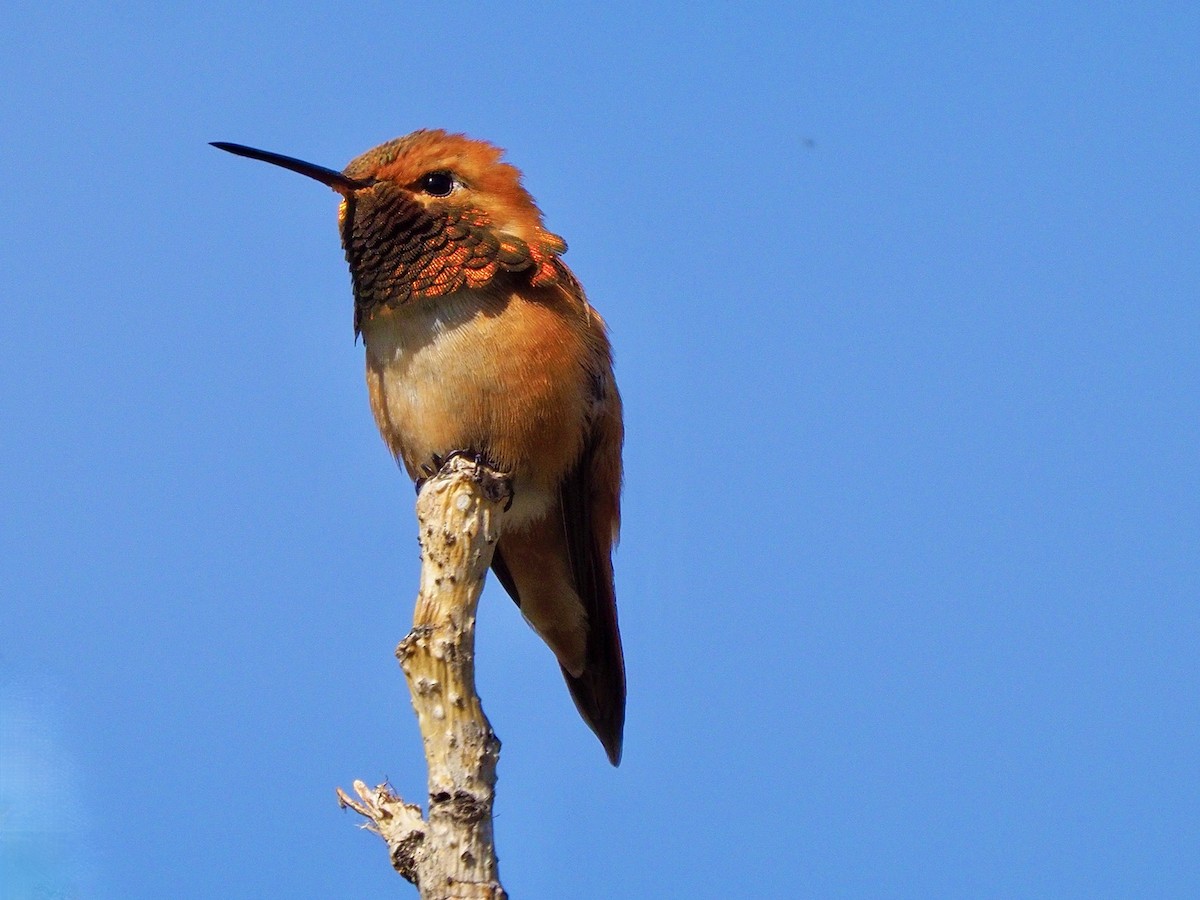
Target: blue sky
904, 302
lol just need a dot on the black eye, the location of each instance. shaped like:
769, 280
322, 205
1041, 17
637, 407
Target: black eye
436, 184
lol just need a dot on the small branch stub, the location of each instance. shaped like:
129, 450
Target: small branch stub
451, 852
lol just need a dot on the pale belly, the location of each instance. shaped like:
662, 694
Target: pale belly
505, 378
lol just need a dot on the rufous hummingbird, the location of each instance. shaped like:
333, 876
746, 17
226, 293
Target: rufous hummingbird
479, 339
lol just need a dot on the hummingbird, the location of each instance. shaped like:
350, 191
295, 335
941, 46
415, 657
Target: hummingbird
479, 340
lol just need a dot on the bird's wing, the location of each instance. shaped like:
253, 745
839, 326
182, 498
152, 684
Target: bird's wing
589, 516
589, 499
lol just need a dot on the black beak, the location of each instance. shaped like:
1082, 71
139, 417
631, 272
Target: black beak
330, 177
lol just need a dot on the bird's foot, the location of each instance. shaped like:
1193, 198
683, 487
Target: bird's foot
439, 462
428, 470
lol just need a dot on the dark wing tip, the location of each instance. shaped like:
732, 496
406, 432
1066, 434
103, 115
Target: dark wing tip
599, 695
613, 749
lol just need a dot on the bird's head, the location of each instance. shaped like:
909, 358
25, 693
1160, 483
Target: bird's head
430, 214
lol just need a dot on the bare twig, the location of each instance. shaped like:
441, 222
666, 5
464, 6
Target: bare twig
450, 853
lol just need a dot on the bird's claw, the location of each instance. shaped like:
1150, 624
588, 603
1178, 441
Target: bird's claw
478, 457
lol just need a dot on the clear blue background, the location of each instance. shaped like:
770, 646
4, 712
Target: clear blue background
905, 304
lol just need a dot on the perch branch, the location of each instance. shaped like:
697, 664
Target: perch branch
450, 853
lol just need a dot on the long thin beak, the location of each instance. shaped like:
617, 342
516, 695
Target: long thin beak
331, 177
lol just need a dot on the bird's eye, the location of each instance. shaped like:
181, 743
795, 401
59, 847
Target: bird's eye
436, 184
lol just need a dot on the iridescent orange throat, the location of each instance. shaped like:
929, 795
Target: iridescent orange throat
400, 250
